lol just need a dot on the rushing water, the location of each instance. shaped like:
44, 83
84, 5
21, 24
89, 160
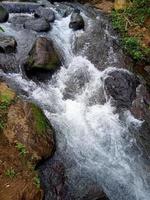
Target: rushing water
89, 131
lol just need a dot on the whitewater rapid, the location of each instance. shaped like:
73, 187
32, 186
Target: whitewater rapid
88, 128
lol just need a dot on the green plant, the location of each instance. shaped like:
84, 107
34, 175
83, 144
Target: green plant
36, 180
40, 120
1, 29
21, 148
132, 46
10, 173
133, 16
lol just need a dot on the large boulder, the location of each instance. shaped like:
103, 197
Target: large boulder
4, 15
25, 138
120, 86
38, 25
19, 19
20, 7
46, 13
42, 56
7, 44
76, 22
27, 125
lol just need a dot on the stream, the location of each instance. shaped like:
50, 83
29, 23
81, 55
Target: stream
96, 147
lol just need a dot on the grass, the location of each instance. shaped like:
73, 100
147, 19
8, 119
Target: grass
36, 181
41, 123
6, 98
21, 148
10, 173
134, 16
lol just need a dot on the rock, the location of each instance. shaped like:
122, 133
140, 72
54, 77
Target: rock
121, 85
4, 15
20, 7
7, 44
76, 22
45, 13
27, 125
42, 56
121, 4
19, 20
38, 25
25, 138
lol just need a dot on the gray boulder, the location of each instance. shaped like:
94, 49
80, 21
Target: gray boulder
45, 13
38, 25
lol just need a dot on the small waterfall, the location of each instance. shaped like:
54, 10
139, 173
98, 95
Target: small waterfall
88, 128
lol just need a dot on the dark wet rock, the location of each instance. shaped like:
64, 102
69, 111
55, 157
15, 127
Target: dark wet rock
120, 85
76, 22
140, 109
8, 63
63, 9
45, 13
38, 25
42, 56
20, 7
4, 15
7, 44
60, 182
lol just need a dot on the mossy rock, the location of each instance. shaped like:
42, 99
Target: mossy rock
43, 56
4, 15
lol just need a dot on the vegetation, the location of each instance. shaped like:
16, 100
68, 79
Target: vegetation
129, 18
40, 120
1, 29
37, 181
21, 148
10, 173
6, 98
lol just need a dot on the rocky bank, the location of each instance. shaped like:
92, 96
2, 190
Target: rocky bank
25, 139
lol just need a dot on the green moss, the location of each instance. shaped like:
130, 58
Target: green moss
10, 173
7, 96
40, 120
132, 17
36, 181
21, 148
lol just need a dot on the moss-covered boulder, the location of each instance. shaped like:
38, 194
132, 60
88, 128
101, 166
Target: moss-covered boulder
4, 15
25, 138
42, 56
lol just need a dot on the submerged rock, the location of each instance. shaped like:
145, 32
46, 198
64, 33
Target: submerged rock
19, 20
38, 25
4, 15
121, 86
42, 56
76, 22
46, 13
7, 44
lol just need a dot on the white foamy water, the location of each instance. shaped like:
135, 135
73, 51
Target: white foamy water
93, 133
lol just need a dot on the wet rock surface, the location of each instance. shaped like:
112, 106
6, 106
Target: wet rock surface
4, 15
45, 13
7, 44
38, 25
42, 56
76, 22
121, 86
